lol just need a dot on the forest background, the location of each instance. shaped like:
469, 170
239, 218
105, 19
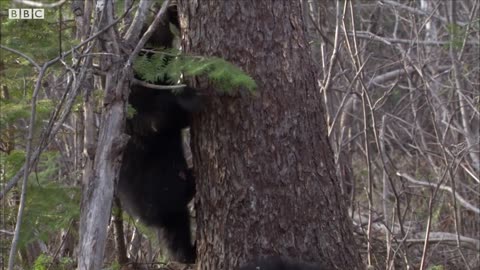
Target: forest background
399, 84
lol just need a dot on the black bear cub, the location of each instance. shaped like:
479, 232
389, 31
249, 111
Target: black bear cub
155, 184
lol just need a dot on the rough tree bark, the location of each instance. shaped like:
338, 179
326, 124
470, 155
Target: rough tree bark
99, 187
265, 174
99, 183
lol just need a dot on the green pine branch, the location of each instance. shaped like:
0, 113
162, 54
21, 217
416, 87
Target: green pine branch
169, 65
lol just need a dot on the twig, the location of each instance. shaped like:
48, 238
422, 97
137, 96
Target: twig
459, 198
21, 207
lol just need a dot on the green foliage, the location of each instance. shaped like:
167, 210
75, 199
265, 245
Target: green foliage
171, 64
436, 267
130, 111
154, 68
50, 206
457, 34
114, 266
45, 262
12, 162
42, 262
36, 38
13, 111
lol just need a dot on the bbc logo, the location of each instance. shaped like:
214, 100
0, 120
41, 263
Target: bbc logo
26, 13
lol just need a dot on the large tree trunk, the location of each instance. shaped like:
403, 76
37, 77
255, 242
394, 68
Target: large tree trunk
265, 174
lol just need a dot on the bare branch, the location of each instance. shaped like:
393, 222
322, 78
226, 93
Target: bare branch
460, 199
390, 41
29, 59
155, 86
418, 11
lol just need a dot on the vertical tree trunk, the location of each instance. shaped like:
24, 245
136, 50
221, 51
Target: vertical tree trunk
99, 180
265, 174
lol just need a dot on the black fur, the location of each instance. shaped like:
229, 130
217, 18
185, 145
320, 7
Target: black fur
155, 183
163, 36
279, 263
